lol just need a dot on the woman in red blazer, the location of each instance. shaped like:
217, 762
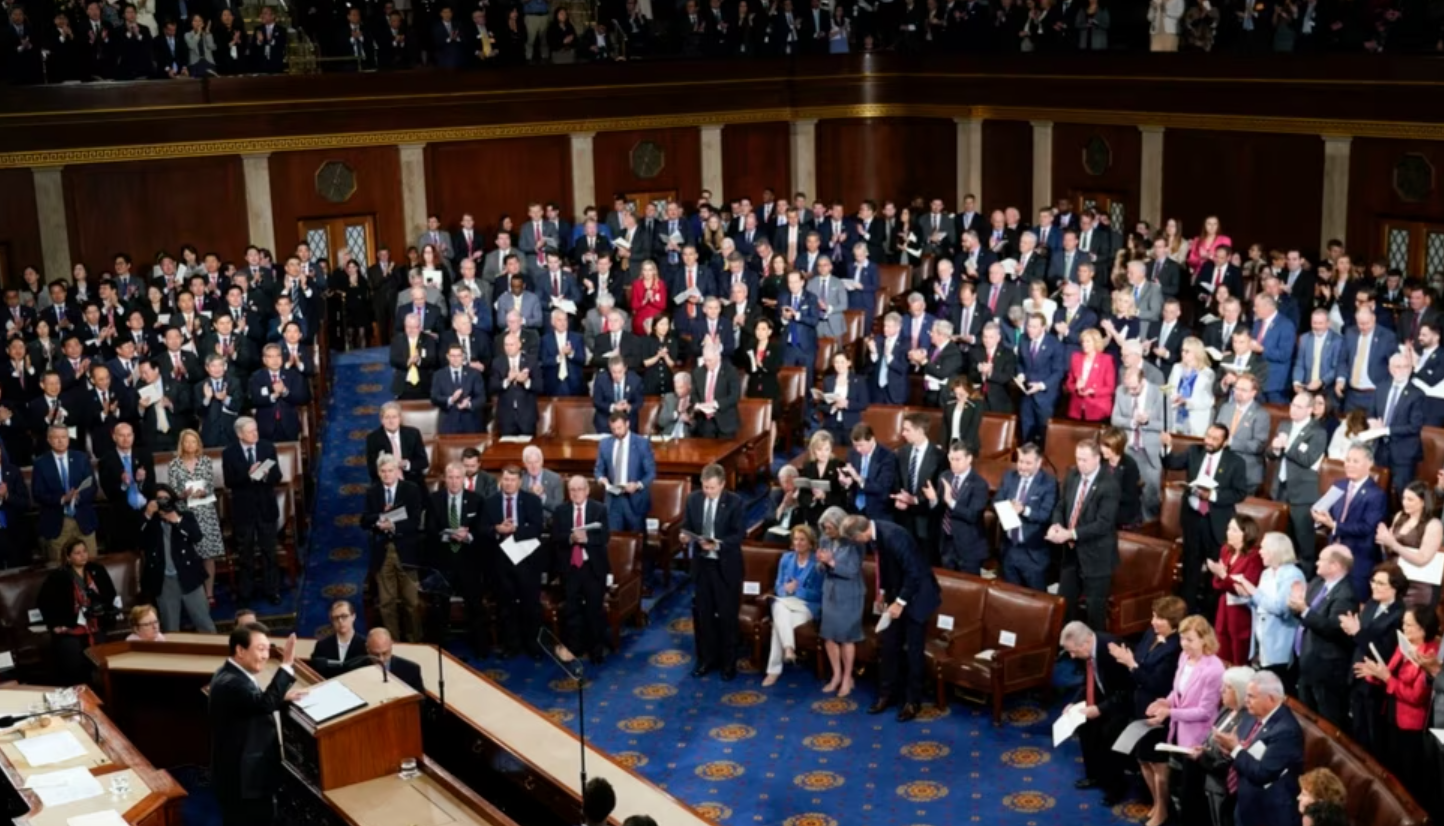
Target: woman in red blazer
649, 298
1239, 557
1091, 379
1407, 685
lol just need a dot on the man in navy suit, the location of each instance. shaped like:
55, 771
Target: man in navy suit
1063, 264
459, 393
513, 513
1354, 517
1072, 318
1318, 362
974, 259
1399, 409
1429, 368
1364, 361
870, 474
909, 596
715, 516
580, 555
961, 495
624, 460
1042, 364
511, 384
619, 391
1273, 336
797, 309
65, 491
254, 512
277, 395
1033, 493
689, 275
711, 327
1106, 695
887, 359
1268, 784
563, 357
556, 283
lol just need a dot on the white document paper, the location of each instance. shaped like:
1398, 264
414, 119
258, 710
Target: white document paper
1007, 639
1008, 518
152, 392
565, 305
65, 786
518, 551
1172, 749
1407, 647
593, 437
327, 700
516, 440
1128, 739
681, 298
1431, 574
1204, 482
1214, 353
1433, 391
1233, 366
1438, 734
34, 615
109, 817
162, 319
751, 589
50, 749
778, 530
1328, 499
1235, 599
1067, 723
883, 622
431, 278
265, 467
1256, 751
1379, 658
986, 655
394, 516
7, 660
1371, 434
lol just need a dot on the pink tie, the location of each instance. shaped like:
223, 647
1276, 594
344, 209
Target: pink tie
711, 384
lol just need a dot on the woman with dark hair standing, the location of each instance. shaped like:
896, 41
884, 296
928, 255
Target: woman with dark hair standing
1406, 686
562, 37
1374, 628
1113, 447
1152, 664
77, 602
1414, 538
1239, 557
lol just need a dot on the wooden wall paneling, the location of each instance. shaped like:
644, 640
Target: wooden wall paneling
756, 156
378, 194
1373, 194
1121, 176
1264, 188
681, 169
19, 226
145, 207
1008, 167
495, 177
886, 159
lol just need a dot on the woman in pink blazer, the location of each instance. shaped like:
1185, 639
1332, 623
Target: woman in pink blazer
1091, 379
1189, 710
1201, 249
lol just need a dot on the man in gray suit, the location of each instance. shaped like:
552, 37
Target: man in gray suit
408, 295
480, 288
1148, 296
541, 481
537, 236
1132, 352
1138, 411
597, 319
436, 237
495, 261
1248, 428
517, 298
1299, 446
832, 295
674, 419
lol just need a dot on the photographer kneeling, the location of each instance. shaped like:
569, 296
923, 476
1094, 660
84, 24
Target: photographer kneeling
174, 573
78, 603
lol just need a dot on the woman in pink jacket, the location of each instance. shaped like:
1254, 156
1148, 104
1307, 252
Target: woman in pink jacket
1189, 710
1201, 249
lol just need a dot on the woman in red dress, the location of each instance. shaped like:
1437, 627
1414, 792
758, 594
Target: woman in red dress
1091, 380
1239, 557
649, 298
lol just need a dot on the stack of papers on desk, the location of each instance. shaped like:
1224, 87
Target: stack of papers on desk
65, 786
516, 440
328, 700
49, 749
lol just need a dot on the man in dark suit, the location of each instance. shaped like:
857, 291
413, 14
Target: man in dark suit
918, 463
466, 242
1353, 519
1043, 364
62, 487
1165, 272
619, 391
563, 357
1106, 697
127, 475
580, 558
715, 384
1207, 509
961, 496
1399, 409
1364, 361
1085, 525
972, 315
429, 317
715, 517
453, 526
886, 357
909, 596
514, 387
1268, 759
378, 647
1167, 337
395, 546
870, 475
278, 395
797, 310
107, 403
1063, 265
447, 42
1324, 651
1216, 273
413, 358
254, 512
515, 514
401, 441
974, 258
1297, 449
938, 362
217, 400
1033, 493
625, 460
268, 53
341, 644
237, 349
459, 394
991, 369
245, 755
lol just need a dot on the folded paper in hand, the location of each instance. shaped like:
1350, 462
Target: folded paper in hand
1433, 391
1328, 499
153, 392
518, 551
1067, 723
1204, 482
1008, 518
567, 306
395, 516
263, 469
1214, 353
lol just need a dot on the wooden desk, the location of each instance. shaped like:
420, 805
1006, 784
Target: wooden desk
435, 798
678, 457
154, 799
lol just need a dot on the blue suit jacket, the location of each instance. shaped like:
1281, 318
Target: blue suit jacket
1268, 789
802, 330
641, 467
878, 485
1329, 364
1050, 366
1083, 319
896, 391
1402, 446
1038, 510
472, 386
550, 358
865, 298
1381, 346
1365, 513
604, 395
47, 490
1278, 351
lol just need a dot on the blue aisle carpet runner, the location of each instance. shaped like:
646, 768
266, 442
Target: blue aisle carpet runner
783, 756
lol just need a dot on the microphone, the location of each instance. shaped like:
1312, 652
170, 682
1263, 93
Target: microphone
9, 720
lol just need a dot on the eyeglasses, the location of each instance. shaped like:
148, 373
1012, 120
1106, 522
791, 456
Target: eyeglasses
339, 617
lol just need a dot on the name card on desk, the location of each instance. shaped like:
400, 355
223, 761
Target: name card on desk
945, 622
1007, 639
751, 589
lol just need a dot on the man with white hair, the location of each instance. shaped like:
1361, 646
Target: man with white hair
1399, 410
939, 361
413, 358
1297, 450
615, 338
252, 471
676, 416
1324, 651
715, 393
887, 364
540, 480
1131, 356
782, 502
1139, 411
1106, 697
1267, 759
393, 517
563, 357
402, 441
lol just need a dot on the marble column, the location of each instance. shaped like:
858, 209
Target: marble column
1150, 181
712, 162
54, 226
1335, 223
1042, 164
803, 151
584, 175
260, 220
970, 158
413, 191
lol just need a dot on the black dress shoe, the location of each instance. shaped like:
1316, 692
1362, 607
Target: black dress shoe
882, 704
729, 674
1085, 783
701, 671
907, 713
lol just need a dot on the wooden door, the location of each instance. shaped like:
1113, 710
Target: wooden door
1105, 203
1414, 247
328, 237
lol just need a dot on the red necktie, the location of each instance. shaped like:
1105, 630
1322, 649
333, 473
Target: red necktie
1208, 472
1243, 744
1092, 682
1078, 509
577, 549
508, 509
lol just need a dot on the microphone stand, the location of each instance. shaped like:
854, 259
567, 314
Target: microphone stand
11, 719
440, 643
574, 669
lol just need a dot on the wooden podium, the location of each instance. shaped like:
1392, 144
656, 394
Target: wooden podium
359, 745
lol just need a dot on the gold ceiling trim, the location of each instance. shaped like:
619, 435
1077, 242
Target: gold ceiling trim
298, 143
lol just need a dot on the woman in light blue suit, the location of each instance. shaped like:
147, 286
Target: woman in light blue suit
1274, 625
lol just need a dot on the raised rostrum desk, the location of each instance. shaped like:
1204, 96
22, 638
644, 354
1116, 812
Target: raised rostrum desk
154, 798
676, 457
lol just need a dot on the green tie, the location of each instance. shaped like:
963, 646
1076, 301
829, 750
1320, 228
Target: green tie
454, 523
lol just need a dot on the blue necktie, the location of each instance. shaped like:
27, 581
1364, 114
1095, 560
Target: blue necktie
64, 463
861, 500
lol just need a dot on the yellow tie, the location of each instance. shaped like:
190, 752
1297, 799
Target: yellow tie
413, 376
1361, 362
1318, 358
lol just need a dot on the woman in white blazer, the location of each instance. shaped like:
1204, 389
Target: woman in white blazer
1163, 17
1191, 399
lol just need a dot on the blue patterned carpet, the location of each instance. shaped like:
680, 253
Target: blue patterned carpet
787, 755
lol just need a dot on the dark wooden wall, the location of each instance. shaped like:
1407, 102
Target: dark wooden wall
1121, 179
1008, 167
1263, 188
19, 227
681, 169
886, 159
756, 156
1371, 189
489, 178
378, 193
142, 208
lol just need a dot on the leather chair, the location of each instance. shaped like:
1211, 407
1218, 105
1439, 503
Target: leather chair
895, 280
853, 334
935, 423
1373, 796
997, 435
760, 437
881, 306
572, 417
20, 590
420, 415
669, 507
1270, 515
448, 449
1332, 471
624, 594
1063, 436
754, 617
822, 361
1147, 569
647, 416
917, 390
792, 383
1428, 469
886, 423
